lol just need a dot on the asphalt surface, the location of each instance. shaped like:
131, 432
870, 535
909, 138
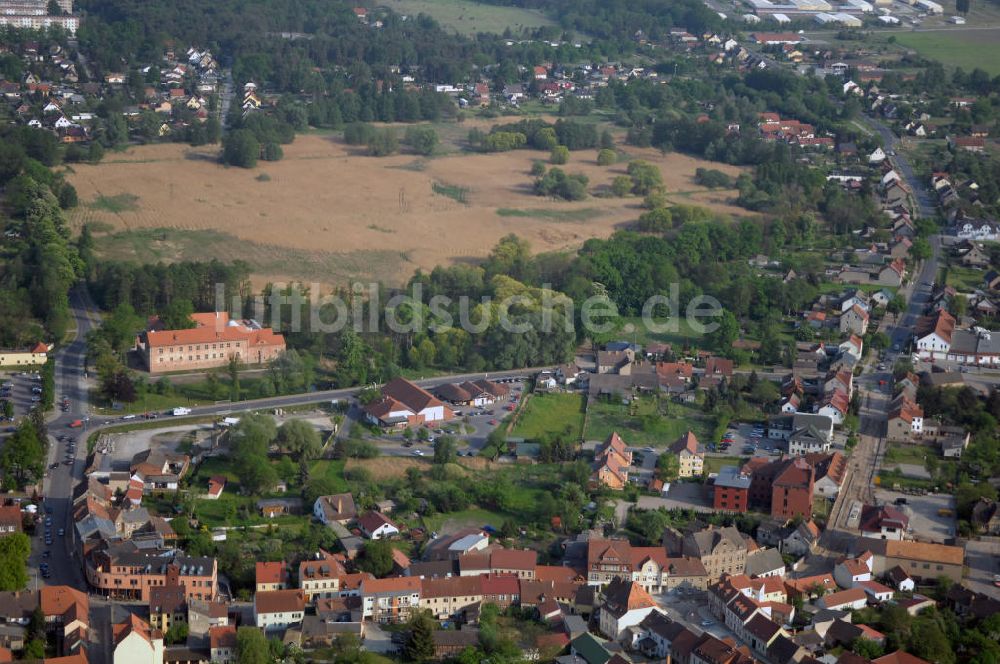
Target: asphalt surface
864, 461
59, 481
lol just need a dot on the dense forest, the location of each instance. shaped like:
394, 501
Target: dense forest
38, 262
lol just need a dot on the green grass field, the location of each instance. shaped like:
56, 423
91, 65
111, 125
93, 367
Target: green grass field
714, 463
967, 49
149, 403
913, 454
548, 414
641, 423
472, 517
466, 17
675, 332
965, 278
332, 470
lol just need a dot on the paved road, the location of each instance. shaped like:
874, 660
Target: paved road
59, 482
867, 456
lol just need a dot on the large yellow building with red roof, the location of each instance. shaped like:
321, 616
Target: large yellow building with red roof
213, 340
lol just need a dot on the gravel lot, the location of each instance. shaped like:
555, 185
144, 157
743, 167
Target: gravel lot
926, 523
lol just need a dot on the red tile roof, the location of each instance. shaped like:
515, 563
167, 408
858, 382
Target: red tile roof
279, 601
222, 636
272, 572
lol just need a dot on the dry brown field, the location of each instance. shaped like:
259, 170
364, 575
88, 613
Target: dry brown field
329, 213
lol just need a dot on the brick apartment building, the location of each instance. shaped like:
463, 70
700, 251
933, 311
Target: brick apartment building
213, 340
784, 487
131, 574
732, 490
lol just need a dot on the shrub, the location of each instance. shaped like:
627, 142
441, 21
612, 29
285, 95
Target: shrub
559, 154
504, 141
712, 178
422, 139
659, 220
606, 157
383, 143
646, 177
538, 169
358, 133
557, 183
621, 185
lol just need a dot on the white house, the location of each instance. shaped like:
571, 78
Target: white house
849, 573
899, 578
625, 604
876, 157
876, 591
885, 522
278, 609
136, 643
933, 335
854, 346
376, 525
845, 600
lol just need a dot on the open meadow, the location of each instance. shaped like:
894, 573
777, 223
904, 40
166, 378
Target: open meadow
469, 18
329, 213
966, 48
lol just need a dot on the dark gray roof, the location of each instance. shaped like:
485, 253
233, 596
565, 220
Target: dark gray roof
763, 561
730, 476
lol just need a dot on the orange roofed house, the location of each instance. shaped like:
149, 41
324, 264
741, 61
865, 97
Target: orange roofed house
69, 610
404, 404
136, 643
611, 462
213, 340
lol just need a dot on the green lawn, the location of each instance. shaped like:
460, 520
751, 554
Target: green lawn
968, 49
837, 287
549, 414
148, 403
231, 509
714, 463
912, 454
675, 332
332, 470
647, 420
468, 17
965, 278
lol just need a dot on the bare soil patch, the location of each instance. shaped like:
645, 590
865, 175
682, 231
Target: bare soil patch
329, 213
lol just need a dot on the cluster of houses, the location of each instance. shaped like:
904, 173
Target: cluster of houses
760, 610
186, 82
599, 603
793, 132
51, 95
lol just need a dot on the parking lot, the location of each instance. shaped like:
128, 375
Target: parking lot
22, 390
931, 516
